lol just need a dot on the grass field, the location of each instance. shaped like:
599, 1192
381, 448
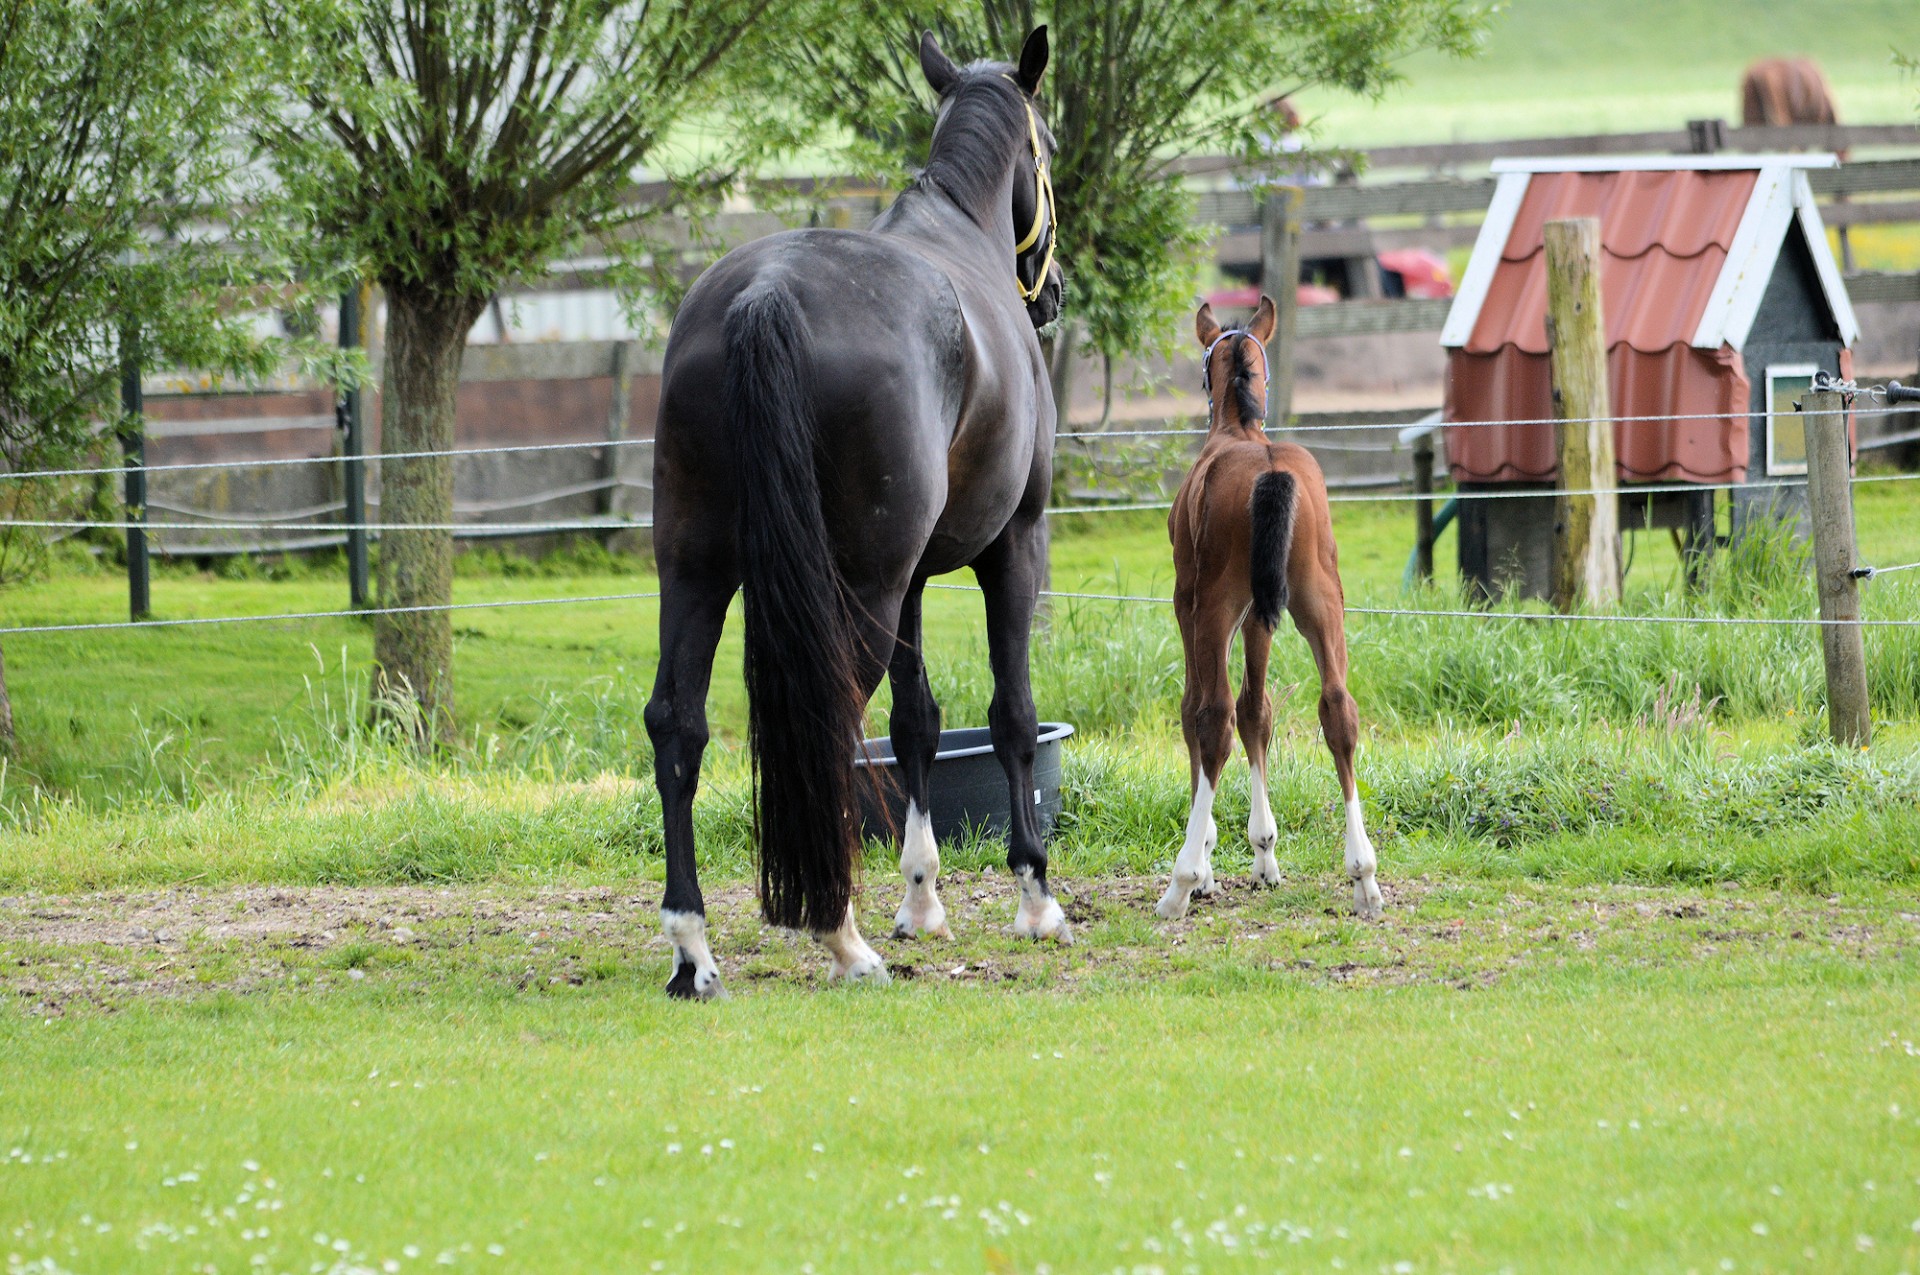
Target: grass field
1724, 1116
283, 997
1606, 66
287, 998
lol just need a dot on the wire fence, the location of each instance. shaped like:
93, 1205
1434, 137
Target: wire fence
293, 522
509, 449
1396, 612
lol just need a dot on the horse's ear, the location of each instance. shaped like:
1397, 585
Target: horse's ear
939, 69
1265, 319
1033, 60
1205, 326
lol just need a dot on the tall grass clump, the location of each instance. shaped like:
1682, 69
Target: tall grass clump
1414, 671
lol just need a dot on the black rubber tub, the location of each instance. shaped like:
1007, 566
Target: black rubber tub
969, 790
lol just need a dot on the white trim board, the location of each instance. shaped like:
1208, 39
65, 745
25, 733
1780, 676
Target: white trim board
1663, 163
1508, 194
1735, 300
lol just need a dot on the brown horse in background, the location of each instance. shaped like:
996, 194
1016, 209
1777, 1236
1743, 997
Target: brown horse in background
1252, 537
1780, 91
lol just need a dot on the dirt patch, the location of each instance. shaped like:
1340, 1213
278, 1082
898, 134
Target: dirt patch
107, 949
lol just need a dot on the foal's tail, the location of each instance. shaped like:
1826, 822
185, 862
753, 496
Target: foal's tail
1272, 544
803, 705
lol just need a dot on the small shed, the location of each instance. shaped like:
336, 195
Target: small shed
1721, 300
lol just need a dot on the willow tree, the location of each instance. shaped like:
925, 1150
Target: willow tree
116, 123
1132, 85
448, 147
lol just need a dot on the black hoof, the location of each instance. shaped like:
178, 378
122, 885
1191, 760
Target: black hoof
680, 986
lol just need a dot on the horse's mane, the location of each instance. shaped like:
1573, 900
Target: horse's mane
969, 159
1240, 385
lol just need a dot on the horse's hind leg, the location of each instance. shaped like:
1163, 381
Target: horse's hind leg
915, 727
1254, 713
1009, 573
1206, 718
692, 612
1319, 615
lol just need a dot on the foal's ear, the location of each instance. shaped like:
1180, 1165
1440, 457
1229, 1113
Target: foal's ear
939, 69
1033, 60
1265, 319
1205, 326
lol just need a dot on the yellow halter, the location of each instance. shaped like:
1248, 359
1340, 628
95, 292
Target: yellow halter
1044, 211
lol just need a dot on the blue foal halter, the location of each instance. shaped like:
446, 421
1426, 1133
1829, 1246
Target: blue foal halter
1206, 365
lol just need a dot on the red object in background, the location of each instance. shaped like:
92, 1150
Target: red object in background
1422, 273
1248, 297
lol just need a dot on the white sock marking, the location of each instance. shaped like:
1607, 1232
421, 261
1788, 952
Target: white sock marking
1039, 915
1190, 867
1262, 832
853, 960
1361, 863
921, 912
687, 931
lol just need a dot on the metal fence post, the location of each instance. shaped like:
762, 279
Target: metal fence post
353, 470
1830, 496
133, 445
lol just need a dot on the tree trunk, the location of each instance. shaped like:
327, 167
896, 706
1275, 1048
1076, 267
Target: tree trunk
413, 653
6, 712
1059, 356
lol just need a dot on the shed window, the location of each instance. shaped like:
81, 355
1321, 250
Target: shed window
1786, 429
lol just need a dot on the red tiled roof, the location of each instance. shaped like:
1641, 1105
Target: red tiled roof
1664, 236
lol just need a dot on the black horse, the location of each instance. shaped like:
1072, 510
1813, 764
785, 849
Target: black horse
842, 415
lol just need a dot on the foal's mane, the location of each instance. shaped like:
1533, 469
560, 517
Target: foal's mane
1240, 384
985, 112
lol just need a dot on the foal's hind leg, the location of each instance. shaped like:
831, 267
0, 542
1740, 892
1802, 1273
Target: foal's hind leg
1009, 573
1254, 712
1322, 622
692, 612
1206, 718
915, 727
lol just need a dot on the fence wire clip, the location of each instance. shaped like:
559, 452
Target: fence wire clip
1861, 573
1825, 382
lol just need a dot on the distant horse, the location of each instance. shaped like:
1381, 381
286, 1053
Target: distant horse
1252, 538
1782, 91
842, 415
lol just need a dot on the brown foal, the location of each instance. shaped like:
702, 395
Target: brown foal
1252, 538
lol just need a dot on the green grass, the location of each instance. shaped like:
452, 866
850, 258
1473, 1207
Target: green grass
1592, 1118
282, 991
1605, 66
116, 716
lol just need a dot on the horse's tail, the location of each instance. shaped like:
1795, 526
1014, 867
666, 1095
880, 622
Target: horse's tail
1272, 511
803, 705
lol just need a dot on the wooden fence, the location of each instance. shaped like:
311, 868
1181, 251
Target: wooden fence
1341, 219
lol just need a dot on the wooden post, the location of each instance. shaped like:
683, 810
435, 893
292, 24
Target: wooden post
1830, 496
1280, 279
1586, 545
1423, 509
351, 410
133, 443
